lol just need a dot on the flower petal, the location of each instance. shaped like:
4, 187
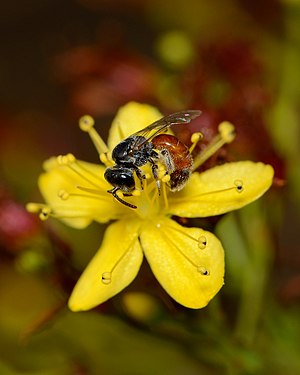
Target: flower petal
188, 262
221, 189
131, 118
118, 261
60, 189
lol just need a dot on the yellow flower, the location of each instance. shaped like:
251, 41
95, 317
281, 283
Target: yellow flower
188, 262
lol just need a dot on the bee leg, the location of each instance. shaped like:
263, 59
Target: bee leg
154, 169
113, 192
168, 162
141, 176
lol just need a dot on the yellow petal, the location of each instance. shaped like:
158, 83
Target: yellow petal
222, 189
60, 189
131, 118
117, 261
189, 269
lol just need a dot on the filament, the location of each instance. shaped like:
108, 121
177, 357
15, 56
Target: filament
238, 187
226, 135
106, 277
86, 124
200, 268
201, 241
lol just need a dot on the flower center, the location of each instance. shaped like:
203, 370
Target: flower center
151, 194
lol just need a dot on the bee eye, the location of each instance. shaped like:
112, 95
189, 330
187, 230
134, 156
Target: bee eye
120, 177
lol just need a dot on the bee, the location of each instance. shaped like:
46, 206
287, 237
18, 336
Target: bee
150, 145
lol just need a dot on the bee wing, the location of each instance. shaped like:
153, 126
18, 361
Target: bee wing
159, 126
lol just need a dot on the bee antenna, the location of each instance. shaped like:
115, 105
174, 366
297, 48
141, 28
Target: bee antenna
113, 192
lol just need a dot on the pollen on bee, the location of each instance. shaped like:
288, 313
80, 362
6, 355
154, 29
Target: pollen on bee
162, 172
166, 178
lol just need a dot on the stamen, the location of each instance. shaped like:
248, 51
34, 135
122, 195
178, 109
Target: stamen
182, 253
45, 213
106, 160
92, 191
94, 194
70, 161
35, 207
86, 123
60, 212
226, 135
238, 187
149, 197
227, 131
165, 196
201, 241
106, 277
195, 138
201, 269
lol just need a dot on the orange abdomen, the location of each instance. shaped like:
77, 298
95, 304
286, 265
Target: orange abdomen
181, 158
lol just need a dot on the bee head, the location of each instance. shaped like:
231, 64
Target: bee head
120, 177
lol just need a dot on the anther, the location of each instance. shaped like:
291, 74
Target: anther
226, 135
203, 271
45, 213
202, 242
62, 194
195, 138
239, 185
33, 207
43, 210
66, 159
227, 131
86, 123
106, 278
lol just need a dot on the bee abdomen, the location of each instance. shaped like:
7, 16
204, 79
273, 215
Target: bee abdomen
177, 159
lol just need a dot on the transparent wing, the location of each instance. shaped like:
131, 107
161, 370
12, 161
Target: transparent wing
161, 125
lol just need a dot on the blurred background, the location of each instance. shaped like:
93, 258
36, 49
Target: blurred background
236, 60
